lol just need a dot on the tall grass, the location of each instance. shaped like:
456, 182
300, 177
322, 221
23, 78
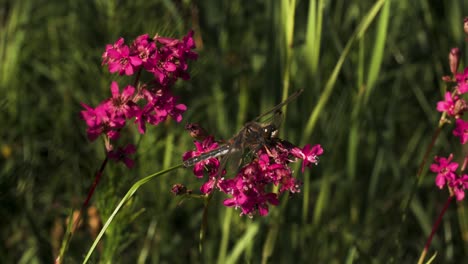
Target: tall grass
371, 73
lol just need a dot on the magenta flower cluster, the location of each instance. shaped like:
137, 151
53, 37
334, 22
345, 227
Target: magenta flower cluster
151, 103
249, 187
453, 107
447, 176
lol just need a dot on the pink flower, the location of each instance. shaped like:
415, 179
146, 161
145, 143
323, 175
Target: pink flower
448, 105
101, 121
144, 47
445, 170
308, 155
170, 61
462, 80
209, 165
461, 130
248, 191
159, 106
459, 186
122, 104
166, 58
121, 154
119, 59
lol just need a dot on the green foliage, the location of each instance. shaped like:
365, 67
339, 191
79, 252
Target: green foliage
371, 71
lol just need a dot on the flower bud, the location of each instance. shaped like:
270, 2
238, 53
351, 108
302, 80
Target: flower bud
459, 108
454, 60
465, 25
179, 189
196, 131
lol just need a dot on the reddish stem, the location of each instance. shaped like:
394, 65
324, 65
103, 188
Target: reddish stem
417, 180
85, 204
137, 78
95, 183
465, 162
434, 228
420, 170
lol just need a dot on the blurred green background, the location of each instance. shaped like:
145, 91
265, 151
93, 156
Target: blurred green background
371, 71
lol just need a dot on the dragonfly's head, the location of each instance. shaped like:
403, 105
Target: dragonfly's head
255, 132
270, 131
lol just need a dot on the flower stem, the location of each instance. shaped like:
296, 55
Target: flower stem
417, 180
95, 183
434, 230
137, 78
420, 170
85, 204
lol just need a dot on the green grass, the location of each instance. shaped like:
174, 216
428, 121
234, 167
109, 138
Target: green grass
371, 71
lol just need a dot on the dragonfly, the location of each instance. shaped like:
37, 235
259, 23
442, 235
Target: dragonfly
253, 136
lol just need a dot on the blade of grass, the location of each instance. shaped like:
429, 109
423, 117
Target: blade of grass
126, 198
378, 51
322, 198
360, 31
226, 228
242, 243
314, 34
312, 52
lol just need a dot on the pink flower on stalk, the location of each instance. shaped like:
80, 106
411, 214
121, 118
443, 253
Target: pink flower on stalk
448, 105
308, 155
144, 47
248, 191
445, 169
461, 130
462, 80
165, 57
119, 59
159, 106
121, 104
210, 165
121, 154
101, 121
459, 186
170, 62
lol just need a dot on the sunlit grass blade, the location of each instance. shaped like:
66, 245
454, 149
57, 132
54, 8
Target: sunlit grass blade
243, 243
314, 34
126, 198
226, 228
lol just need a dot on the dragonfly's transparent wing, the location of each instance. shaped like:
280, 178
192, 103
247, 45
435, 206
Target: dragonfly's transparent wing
234, 150
278, 107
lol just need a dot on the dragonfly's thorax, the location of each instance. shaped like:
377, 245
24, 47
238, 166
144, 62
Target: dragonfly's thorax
255, 134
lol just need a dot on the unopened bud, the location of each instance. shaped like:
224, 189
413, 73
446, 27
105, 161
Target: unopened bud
465, 25
454, 60
196, 131
179, 189
460, 108
446, 78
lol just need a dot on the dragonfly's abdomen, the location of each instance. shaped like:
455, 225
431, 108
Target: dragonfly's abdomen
222, 150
